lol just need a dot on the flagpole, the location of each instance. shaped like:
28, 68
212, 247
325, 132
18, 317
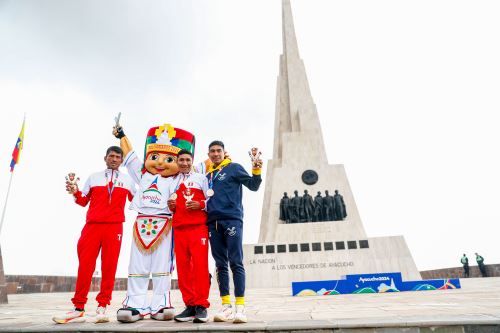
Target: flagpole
6, 199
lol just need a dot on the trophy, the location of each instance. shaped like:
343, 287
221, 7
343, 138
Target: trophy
117, 129
188, 195
117, 120
72, 183
254, 154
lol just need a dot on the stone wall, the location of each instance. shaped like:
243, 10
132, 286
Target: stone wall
458, 272
26, 284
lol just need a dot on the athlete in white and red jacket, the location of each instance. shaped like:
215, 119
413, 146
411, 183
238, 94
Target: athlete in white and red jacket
191, 239
107, 192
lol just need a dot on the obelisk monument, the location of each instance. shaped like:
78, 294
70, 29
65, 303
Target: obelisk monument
311, 244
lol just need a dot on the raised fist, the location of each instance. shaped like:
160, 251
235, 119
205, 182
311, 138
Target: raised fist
118, 132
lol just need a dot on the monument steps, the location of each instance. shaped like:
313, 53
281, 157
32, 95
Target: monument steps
292, 326
473, 308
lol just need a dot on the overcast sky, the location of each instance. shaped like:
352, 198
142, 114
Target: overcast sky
407, 94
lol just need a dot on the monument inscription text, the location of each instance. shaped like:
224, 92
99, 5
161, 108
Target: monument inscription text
300, 266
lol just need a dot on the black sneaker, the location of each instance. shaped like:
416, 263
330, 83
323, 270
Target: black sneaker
201, 315
186, 315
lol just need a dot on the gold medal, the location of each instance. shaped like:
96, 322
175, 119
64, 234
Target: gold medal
173, 196
210, 192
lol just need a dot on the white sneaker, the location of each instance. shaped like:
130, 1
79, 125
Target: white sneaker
240, 316
168, 313
164, 314
128, 315
70, 317
101, 316
224, 314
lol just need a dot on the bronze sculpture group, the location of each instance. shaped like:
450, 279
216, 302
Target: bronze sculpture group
302, 209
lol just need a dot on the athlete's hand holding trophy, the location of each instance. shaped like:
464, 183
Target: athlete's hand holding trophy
255, 154
72, 183
118, 129
190, 204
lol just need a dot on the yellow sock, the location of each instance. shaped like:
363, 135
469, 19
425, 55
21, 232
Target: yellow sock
240, 300
226, 299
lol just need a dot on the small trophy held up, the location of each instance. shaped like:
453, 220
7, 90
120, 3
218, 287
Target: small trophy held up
72, 183
117, 120
117, 129
254, 154
188, 195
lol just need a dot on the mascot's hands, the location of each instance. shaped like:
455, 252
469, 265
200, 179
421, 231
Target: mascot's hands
171, 204
193, 205
118, 132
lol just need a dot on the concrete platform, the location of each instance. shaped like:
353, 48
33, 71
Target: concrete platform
474, 308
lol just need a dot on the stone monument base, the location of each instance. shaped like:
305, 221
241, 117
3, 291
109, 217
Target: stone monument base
273, 265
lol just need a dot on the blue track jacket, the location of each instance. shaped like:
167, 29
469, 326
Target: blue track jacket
228, 192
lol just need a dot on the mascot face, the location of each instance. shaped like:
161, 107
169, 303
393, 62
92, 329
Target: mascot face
162, 164
163, 143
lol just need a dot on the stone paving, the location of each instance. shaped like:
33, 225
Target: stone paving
477, 304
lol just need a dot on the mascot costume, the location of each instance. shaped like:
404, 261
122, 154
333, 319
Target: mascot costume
152, 249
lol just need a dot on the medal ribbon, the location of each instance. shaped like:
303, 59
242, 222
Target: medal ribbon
110, 190
211, 181
181, 182
177, 187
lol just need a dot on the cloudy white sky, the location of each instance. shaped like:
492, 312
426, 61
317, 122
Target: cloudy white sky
407, 94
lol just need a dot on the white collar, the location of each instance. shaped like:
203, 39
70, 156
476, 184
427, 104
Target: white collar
111, 171
185, 175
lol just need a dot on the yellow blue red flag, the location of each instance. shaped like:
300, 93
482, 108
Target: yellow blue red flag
17, 149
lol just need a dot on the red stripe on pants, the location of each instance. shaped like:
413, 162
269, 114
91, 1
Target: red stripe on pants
94, 237
191, 252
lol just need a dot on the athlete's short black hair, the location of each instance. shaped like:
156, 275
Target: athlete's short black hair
183, 152
114, 149
216, 143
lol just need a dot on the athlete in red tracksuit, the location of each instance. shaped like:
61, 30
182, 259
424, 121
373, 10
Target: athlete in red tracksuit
107, 192
191, 239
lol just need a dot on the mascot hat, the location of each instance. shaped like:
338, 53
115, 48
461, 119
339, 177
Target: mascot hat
168, 140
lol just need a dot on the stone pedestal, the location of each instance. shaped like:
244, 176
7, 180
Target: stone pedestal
281, 263
286, 177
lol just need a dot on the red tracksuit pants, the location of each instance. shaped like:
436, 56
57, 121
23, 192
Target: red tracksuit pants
95, 237
191, 252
